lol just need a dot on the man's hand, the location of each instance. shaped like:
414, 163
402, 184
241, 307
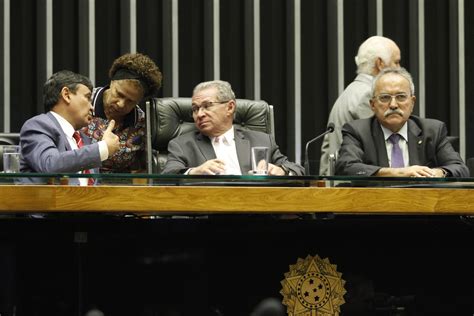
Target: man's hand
212, 167
411, 171
111, 139
274, 170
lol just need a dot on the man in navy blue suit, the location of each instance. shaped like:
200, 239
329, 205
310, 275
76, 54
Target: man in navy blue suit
51, 143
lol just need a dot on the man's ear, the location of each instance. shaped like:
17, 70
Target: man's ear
379, 64
372, 104
413, 103
66, 94
231, 106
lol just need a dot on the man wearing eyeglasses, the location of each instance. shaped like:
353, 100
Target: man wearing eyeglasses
374, 54
394, 143
219, 148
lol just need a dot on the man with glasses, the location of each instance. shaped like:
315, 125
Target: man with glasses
217, 147
394, 143
374, 54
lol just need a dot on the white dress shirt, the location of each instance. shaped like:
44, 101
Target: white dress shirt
224, 147
68, 130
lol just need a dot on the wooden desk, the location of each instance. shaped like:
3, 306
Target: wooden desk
201, 199
127, 263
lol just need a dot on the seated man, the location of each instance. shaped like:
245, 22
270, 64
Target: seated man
51, 142
374, 54
394, 143
218, 147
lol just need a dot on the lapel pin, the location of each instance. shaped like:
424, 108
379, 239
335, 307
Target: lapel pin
419, 142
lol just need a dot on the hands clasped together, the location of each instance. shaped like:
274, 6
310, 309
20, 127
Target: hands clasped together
412, 171
217, 166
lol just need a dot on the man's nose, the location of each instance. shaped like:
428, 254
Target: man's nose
120, 103
393, 103
201, 112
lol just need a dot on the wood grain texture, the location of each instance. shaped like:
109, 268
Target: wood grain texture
173, 199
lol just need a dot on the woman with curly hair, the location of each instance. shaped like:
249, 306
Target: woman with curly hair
133, 78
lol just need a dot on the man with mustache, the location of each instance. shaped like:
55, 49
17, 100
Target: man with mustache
51, 143
374, 54
394, 143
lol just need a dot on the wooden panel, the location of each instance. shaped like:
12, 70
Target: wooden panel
173, 199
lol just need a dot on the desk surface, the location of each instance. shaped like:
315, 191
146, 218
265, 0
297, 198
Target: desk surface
212, 199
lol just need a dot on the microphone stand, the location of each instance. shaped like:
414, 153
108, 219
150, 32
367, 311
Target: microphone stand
329, 130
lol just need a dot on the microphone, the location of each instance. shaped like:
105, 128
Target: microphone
328, 130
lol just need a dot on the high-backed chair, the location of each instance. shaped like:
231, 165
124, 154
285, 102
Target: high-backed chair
454, 140
171, 117
9, 138
470, 165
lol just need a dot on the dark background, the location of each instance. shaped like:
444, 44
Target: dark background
225, 265
318, 52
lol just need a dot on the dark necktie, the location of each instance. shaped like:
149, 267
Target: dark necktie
397, 155
77, 137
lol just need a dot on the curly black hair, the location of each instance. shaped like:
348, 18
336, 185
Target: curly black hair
143, 66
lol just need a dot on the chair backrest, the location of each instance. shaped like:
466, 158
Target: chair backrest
168, 118
454, 140
470, 165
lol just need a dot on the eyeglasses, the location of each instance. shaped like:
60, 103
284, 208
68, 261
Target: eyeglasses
387, 98
205, 106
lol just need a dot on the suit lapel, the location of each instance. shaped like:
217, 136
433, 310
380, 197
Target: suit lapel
379, 142
242, 145
205, 146
63, 143
415, 144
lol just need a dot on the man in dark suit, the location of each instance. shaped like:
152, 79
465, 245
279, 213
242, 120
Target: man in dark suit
394, 143
218, 147
49, 142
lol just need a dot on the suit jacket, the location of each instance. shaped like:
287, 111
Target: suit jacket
363, 151
193, 149
352, 104
45, 149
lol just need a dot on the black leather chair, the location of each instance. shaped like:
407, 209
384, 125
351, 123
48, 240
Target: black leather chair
470, 165
454, 140
171, 117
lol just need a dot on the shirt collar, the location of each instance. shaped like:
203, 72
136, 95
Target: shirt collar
67, 128
229, 136
402, 132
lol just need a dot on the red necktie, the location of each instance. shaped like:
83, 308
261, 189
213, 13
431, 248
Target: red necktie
77, 137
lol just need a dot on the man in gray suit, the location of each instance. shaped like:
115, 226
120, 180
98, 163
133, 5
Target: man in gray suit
375, 54
394, 143
47, 140
218, 147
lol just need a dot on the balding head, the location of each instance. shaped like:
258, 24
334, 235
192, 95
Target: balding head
377, 53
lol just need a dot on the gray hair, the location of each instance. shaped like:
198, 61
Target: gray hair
224, 89
374, 47
398, 71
